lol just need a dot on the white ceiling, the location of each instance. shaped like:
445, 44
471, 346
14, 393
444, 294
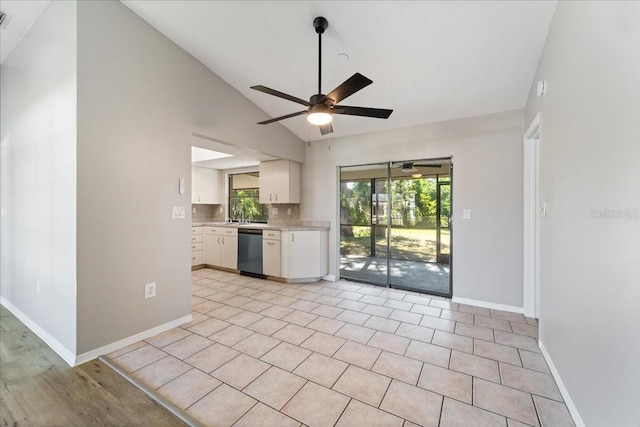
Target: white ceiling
429, 60
22, 15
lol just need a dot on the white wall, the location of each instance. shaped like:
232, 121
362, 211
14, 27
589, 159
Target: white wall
487, 178
590, 159
140, 98
38, 187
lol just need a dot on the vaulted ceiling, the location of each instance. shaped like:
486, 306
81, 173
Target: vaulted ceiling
429, 60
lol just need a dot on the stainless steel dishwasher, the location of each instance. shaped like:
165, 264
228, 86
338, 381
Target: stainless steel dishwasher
250, 251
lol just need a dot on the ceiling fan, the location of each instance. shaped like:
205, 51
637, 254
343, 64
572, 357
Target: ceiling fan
411, 166
321, 107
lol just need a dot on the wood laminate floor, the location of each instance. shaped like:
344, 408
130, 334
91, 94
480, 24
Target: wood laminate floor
37, 388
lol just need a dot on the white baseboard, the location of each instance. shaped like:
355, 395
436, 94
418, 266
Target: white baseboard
73, 359
67, 355
563, 390
109, 348
329, 277
490, 305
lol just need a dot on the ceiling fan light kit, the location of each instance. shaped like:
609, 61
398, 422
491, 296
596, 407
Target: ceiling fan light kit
321, 107
319, 115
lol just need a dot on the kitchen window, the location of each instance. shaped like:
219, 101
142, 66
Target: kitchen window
244, 198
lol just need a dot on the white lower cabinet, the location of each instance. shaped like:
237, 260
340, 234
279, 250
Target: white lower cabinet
196, 246
304, 254
271, 258
222, 247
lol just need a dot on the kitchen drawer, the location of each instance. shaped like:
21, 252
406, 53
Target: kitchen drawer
213, 230
196, 258
196, 246
196, 238
226, 231
271, 234
196, 230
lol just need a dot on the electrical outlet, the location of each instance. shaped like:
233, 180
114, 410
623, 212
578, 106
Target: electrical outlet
220, 209
466, 214
193, 210
288, 211
150, 290
275, 211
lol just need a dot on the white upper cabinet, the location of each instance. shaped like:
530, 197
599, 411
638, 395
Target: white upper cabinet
279, 182
205, 186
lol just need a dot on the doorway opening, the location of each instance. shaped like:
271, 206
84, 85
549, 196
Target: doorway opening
395, 224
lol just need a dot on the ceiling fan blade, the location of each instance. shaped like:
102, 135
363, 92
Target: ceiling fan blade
279, 94
427, 166
378, 113
348, 88
266, 122
325, 129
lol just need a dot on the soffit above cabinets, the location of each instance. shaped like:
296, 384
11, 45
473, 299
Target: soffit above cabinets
209, 153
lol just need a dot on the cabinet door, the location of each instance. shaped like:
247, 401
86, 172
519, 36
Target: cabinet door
266, 182
280, 181
301, 255
229, 254
286, 181
213, 250
271, 257
208, 181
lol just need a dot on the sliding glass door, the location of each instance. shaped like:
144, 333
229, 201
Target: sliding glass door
363, 223
395, 224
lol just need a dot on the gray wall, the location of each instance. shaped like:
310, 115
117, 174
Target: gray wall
98, 111
38, 167
590, 159
140, 97
487, 178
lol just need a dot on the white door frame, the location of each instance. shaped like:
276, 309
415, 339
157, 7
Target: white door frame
531, 220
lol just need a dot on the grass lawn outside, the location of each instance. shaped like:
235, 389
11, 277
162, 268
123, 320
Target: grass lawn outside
408, 244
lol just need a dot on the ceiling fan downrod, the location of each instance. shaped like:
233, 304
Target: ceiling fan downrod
320, 24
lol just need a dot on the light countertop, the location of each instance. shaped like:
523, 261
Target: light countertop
261, 226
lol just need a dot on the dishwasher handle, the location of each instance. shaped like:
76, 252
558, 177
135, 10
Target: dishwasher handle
250, 231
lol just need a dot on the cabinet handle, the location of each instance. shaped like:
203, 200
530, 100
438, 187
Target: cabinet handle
223, 240
276, 197
293, 237
270, 197
193, 259
193, 247
218, 239
270, 243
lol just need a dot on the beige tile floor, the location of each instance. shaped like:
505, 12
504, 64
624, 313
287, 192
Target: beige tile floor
263, 353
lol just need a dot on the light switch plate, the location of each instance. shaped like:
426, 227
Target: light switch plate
466, 214
179, 212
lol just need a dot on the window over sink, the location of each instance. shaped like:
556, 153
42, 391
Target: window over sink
244, 198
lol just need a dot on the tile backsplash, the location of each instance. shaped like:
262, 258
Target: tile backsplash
288, 214
207, 213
